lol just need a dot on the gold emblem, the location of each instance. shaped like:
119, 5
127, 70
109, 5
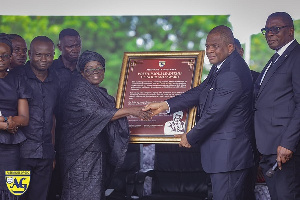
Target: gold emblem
161, 63
17, 181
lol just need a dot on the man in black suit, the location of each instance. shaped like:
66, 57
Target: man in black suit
277, 109
251, 179
224, 127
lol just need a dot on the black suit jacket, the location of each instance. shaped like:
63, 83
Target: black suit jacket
224, 126
254, 75
277, 104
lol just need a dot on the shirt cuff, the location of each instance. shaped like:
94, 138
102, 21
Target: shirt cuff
169, 110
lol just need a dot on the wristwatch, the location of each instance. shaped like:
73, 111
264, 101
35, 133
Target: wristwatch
5, 119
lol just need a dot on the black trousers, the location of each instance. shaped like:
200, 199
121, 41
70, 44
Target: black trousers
9, 161
41, 170
230, 185
285, 183
55, 188
250, 183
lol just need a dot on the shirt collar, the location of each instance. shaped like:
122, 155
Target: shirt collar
282, 49
219, 65
59, 63
31, 74
29, 71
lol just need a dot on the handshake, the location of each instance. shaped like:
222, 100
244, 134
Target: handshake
152, 109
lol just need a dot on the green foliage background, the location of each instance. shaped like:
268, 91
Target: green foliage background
111, 36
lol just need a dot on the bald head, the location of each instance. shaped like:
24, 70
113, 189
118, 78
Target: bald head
41, 53
225, 33
219, 44
40, 39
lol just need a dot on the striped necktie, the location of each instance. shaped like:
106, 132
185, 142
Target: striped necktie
271, 61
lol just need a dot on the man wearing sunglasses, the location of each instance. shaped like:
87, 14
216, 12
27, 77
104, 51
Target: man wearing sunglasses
277, 109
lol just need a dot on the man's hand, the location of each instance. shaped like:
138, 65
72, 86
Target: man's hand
184, 142
156, 108
283, 155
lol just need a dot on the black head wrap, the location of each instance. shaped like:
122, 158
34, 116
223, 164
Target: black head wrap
88, 56
5, 39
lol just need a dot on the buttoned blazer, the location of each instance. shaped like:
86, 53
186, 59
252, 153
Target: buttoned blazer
224, 125
277, 104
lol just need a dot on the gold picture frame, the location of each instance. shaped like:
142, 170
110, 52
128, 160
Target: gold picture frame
151, 76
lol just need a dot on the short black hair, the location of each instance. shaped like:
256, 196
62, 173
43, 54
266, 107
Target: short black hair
88, 56
42, 39
237, 43
225, 32
68, 32
5, 39
13, 36
286, 18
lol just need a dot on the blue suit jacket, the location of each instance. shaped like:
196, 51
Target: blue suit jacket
277, 104
224, 127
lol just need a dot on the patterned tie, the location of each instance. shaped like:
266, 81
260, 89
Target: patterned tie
272, 60
274, 57
213, 70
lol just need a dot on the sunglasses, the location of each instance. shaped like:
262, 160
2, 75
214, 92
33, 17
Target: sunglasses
94, 71
274, 29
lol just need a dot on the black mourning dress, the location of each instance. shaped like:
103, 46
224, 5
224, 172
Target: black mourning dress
92, 147
12, 88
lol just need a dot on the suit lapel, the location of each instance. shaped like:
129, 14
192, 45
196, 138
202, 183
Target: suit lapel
226, 62
257, 82
211, 83
270, 73
204, 94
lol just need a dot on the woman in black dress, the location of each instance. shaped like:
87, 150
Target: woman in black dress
95, 133
14, 113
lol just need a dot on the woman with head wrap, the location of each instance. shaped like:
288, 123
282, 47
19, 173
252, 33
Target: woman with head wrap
95, 133
13, 114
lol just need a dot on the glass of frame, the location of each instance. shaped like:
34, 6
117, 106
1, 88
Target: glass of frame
156, 76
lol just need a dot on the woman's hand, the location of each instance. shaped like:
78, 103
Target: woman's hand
12, 125
134, 111
138, 112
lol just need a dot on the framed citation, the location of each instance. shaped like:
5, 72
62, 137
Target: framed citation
153, 77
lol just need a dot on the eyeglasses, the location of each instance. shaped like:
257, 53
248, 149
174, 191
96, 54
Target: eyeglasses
5, 57
274, 29
94, 71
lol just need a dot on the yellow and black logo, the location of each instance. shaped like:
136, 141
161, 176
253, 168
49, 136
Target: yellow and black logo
162, 63
17, 181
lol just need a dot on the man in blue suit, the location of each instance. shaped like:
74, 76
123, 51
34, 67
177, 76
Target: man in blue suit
277, 109
224, 126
